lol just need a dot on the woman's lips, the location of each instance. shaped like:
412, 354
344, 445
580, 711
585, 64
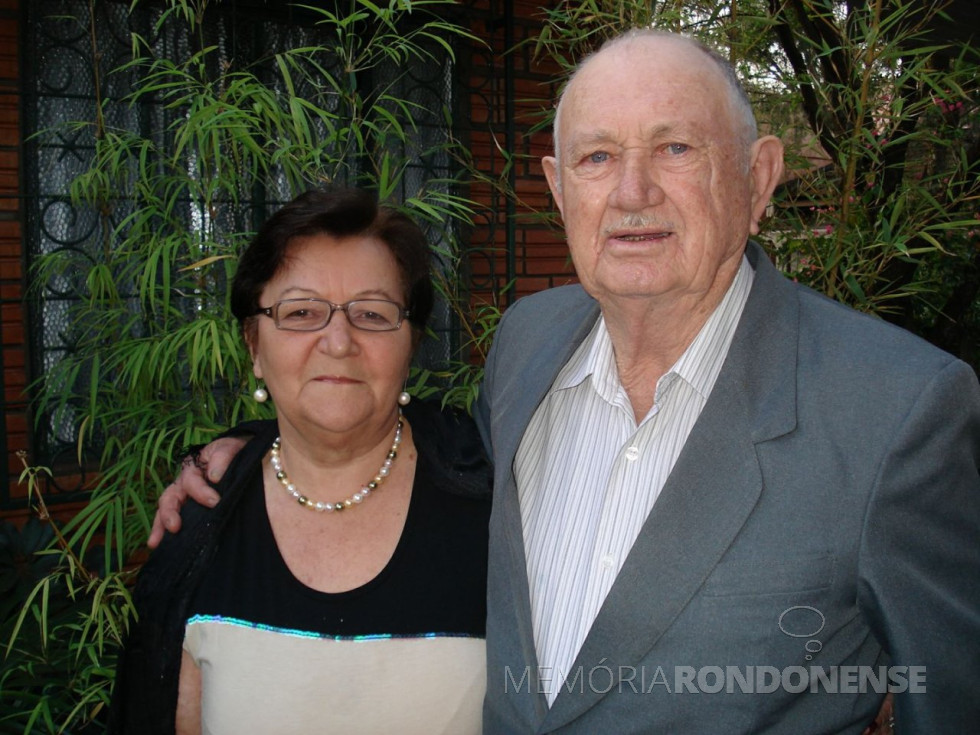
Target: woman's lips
336, 379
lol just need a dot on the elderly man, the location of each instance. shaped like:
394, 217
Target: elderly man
723, 503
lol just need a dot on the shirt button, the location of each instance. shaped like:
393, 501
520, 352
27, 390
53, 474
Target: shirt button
607, 561
632, 454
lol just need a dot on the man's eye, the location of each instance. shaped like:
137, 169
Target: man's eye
598, 157
676, 149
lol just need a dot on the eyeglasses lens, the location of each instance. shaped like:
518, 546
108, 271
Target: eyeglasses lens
308, 315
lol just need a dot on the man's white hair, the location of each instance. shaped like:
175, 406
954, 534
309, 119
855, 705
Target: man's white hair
746, 130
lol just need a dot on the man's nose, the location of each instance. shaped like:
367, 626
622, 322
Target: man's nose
638, 186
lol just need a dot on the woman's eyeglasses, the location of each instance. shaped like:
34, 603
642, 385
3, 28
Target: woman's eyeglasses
309, 315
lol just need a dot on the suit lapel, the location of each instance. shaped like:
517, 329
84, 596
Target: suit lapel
517, 395
708, 496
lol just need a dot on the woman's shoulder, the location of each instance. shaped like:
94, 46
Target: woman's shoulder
449, 445
198, 522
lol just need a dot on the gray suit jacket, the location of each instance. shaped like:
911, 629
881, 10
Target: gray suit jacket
824, 512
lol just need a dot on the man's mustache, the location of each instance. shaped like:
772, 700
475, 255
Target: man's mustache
639, 222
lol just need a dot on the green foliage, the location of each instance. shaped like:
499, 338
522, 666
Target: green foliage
881, 122
157, 362
61, 624
893, 216
459, 383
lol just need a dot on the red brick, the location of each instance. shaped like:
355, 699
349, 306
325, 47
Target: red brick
14, 358
16, 423
13, 334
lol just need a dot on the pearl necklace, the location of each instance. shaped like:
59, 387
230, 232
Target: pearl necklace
276, 461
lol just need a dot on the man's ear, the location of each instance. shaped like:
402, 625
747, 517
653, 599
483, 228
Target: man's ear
550, 166
766, 168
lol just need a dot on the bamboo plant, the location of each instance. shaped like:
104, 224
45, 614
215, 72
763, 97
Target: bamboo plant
157, 362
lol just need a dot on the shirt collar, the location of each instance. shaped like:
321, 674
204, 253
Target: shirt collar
699, 365
702, 360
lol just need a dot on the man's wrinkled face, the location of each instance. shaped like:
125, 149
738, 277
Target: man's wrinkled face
654, 188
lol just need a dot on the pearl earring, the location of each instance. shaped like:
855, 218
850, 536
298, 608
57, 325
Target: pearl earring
261, 395
404, 398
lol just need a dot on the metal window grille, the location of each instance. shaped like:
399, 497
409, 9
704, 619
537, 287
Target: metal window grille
59, 86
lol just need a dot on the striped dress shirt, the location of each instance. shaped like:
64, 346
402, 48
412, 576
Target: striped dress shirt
588, 476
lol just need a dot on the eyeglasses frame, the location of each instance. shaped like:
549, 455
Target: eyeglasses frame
273, 313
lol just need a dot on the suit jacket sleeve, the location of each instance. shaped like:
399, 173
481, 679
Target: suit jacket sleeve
481, 410
919, 559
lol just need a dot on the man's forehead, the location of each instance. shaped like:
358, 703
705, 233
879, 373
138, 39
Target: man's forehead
645, 55
585, 135
655, 91
656, 82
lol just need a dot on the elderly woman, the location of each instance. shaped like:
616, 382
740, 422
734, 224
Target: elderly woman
339, 585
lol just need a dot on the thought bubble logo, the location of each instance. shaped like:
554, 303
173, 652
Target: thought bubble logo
803, 621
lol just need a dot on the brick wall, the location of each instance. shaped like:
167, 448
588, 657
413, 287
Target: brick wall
13, 354
513, 243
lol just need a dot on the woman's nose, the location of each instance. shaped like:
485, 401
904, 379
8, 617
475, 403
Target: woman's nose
337, 338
